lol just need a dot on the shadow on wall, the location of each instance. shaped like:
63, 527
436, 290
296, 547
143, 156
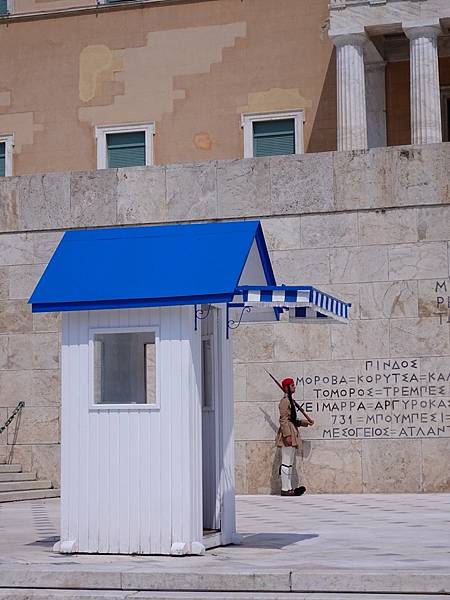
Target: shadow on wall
275, 481
324, 130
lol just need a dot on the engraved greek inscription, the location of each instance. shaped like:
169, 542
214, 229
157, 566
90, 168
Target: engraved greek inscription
440, 285
388, 398
442, 302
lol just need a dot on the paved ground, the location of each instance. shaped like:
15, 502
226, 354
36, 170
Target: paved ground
349, 541
369, 532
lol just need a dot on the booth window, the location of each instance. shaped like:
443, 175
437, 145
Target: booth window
125, 146
271, 134
125, 368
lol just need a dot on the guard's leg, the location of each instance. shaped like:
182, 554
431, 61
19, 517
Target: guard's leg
287, 460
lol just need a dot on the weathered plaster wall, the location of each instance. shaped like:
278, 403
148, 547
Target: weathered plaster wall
372, 227
191, 67
40, 6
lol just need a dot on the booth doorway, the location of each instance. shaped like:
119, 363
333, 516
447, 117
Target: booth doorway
211, 359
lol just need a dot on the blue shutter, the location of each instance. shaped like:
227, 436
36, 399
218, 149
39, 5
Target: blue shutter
274, 137
3, 7
2, 158
126, 149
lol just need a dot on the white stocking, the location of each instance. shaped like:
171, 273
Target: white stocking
287, 460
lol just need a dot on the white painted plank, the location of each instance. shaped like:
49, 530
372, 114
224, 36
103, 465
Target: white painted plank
134, 464
156, 487
93, 460
168, 417
75, 431
66, 441
84, 456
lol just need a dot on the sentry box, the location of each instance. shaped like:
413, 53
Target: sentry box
147, 462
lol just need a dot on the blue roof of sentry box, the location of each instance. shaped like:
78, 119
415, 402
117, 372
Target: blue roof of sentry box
133, 267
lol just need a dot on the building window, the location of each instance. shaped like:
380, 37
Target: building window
126, 149
124, 367
270, 134
273, 137
4, 9
6, 146
125, 146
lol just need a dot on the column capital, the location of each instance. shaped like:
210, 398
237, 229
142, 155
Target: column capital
431, 31
350, 39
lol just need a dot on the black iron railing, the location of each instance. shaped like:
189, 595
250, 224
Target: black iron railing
10, 419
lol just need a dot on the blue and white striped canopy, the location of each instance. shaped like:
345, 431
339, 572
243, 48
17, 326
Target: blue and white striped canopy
302, 302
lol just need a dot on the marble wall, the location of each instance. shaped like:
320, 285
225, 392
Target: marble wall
379, 387
372, 227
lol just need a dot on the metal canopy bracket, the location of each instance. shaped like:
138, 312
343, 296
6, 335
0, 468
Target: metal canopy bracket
233, 323
200, 314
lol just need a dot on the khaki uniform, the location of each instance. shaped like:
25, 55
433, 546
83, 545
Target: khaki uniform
287, 427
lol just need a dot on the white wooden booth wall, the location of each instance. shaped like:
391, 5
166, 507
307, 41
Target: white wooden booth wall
132, 474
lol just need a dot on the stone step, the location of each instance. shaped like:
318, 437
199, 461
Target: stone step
10, 468
52, 594
28, 495
49, 594
17, 476
19, 486
273, 596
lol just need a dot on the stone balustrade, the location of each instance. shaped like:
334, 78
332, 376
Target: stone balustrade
261, 187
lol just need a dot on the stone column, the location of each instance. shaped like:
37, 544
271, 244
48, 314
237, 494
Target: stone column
376, 104
351, 91
426, 126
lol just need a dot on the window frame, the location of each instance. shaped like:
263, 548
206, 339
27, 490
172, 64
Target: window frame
93, 406
247, 120
102, 147
210, 338
8, 140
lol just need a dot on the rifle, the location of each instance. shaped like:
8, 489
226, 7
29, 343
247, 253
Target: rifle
296, 404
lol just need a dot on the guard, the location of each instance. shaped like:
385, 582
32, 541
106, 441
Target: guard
288, 436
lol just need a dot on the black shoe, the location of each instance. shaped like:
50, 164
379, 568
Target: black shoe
288, 493
300, 490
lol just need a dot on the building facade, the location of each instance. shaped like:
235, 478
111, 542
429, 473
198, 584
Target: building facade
99, 105
188, 79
